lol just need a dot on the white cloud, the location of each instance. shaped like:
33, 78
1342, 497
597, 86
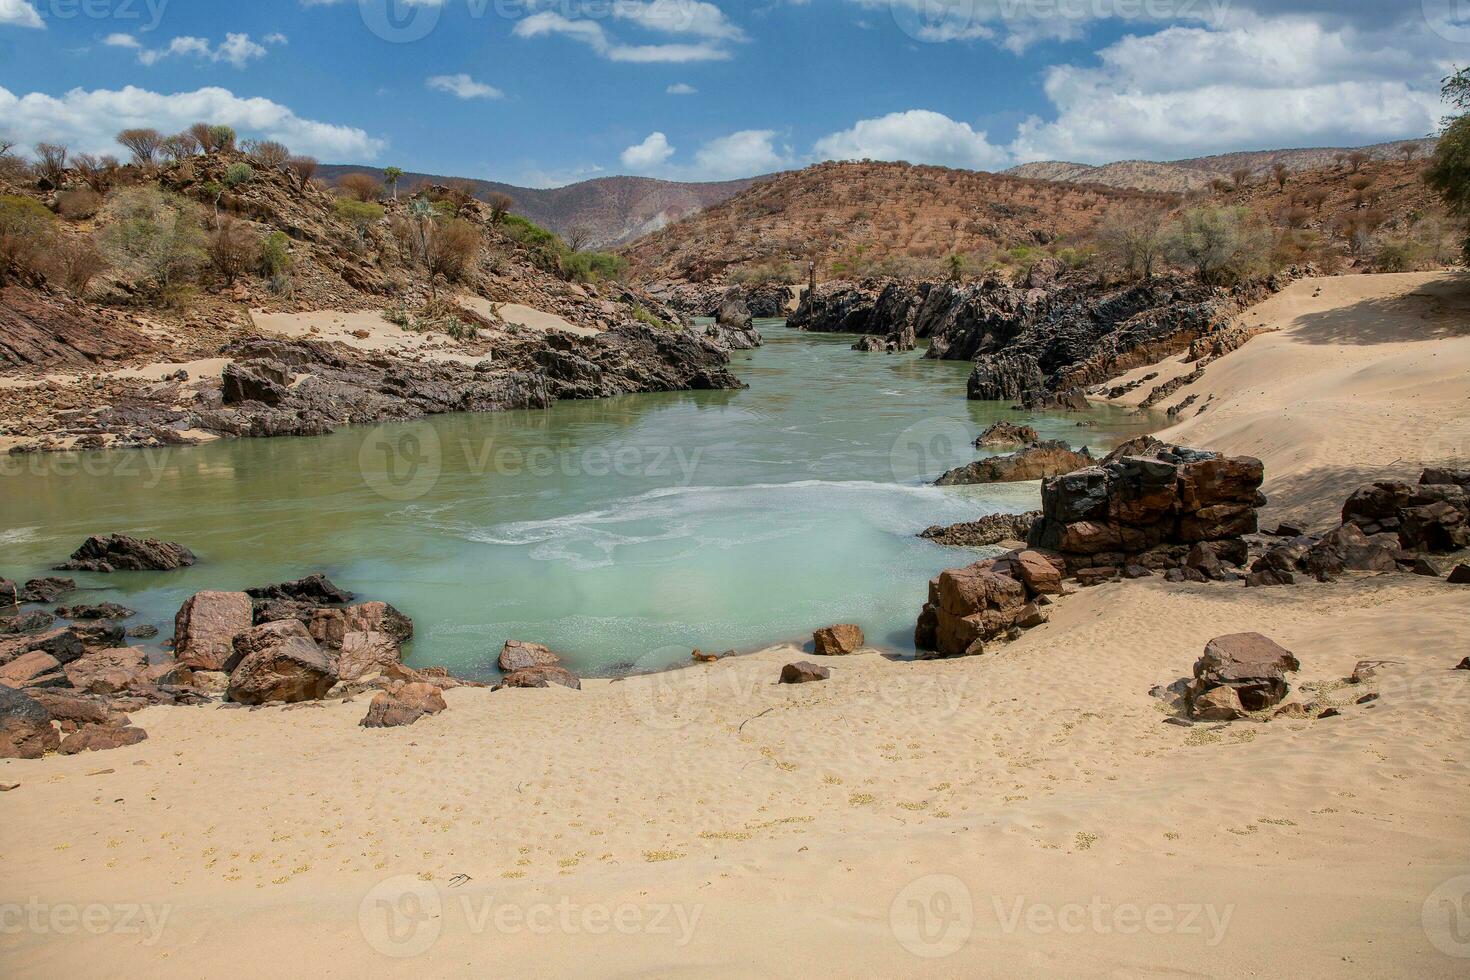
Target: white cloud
1185, 92
538, 178
464, 87
236, 49
87, 120
591, 33
678, 17
276, 38
918, 136
681, 88
652, 153
20, 13
742, 154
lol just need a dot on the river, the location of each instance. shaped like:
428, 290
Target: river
621, 532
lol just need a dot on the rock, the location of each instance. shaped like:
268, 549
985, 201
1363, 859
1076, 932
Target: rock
107, 671
1345, 549
315, 590
9, 593
1251, 665
47, 589
1136, 571
35, 621
104, 610
516, 655
99, 738
544, 676
1034, 462
733, 328
1288, 529
143, 631
1442, 476
1293, 710
1463, 664
122, 552
803, 672
1432, 516
1089, 577
1218, 704
206, 626
968, 607
988, 530
403, 705
839, 640
1423, 566
63, 644
1459, 575
1039, 574
1003, 435
98, 633
24, 669
1368, 698
1329, 713
365, 653
71, 706
700, 657
25, 727
263, 381
328, 626
279, 662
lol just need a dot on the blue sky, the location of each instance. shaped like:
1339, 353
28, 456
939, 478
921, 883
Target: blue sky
542, 92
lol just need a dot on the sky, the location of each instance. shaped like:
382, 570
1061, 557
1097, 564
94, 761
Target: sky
547, 92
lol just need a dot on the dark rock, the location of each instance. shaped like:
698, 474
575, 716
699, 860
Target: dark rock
103, 610
1423, 566
1289, 530
31, 622
122, 552
46, 589
803, 672
1346, 549
264, 381
9, 593
143, 631
25, 727
1005, 435
316, 589
733, 328
63, 644
988, 530
1459, 575
544, 676
1251, 665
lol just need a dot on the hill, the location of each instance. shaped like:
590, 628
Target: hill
607, 210
1197, 173
859, 218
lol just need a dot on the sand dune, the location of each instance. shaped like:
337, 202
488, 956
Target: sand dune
1025, 813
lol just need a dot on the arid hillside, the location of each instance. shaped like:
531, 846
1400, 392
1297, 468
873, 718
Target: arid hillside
601, 213
875, 218
1199, 172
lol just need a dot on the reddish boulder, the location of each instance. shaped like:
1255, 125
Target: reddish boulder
99, 738
365, 654
544, 676
63, 644
25, 727
804, 672
404, 704
1249, 664
329, 625
107, 671
517, 655
279, 662
25, 669
839, 640
206, 626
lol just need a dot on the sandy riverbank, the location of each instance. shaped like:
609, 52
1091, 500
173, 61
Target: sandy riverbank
1023, 813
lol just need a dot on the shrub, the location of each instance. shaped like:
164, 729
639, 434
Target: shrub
1221, 245
303, 167
500, 205
79, 204
143, 144
25, 225
233, 249
594, 266
238, 175
268, 153
51, 163
451, 248
275, 255
155, 237
212, 138
74, 260
96, 173
1402, 255
179, 146
360, 186
1134, 243
359, 214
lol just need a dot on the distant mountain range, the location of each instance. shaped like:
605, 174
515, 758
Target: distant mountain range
1182, 176
612, 210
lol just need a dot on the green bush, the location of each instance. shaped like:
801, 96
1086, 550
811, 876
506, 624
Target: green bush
25, 226
154, 236
361, 215
275, 255
642, 315
594, 266
238, 174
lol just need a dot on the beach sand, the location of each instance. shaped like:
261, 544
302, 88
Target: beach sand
1025, 813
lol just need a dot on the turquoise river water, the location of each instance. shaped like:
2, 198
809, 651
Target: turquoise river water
621, 532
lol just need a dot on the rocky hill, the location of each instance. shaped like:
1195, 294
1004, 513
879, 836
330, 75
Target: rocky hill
215, 293
1197, 173
609, 210
862, 218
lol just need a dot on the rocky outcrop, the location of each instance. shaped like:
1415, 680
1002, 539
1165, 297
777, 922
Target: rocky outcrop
872, 306
46, 328
1238, 673
989, 530
1007, 435
205, 628
403, 704
47, 589
838, 641
733, 328
100, 738
1035, 462
1432, 516
517, 655
984, 603
101, 610
122, 552
25, 727
1149, 505
541, 677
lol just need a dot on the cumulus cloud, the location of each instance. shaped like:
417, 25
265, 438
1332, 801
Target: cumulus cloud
1188, 91
652, 153
742, 154
236, 49
20, 13
591, 33
681, 17
86, 120
464, 87
918, 136
681, 88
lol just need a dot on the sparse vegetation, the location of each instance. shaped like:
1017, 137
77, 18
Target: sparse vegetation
1221, 245
267, 153
360, 215
143, 144
233, 248
155, 237
360, 186
24, 226
51, 163
1449, 171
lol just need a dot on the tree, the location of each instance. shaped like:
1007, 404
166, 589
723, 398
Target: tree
1240, 176
1409, 151
1280, 172
956, 268
1356, 159
156, 237
212, 138
95, 173
303, 167
393, 175
360, 186
1135, 242
1218, 243
74, 261
233, 249
179, 146
1449, 168
578, 236
361, 215
25, 225
1359, 183
143, 144
268, 153
500, 205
